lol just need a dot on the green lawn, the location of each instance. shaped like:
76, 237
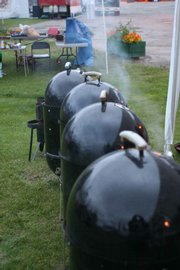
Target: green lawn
29, 209
15, 22
30, 233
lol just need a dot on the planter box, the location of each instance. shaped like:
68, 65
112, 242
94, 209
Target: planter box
134, 50
125, 50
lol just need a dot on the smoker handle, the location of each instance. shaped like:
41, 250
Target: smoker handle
103, 99
68, 67
103, 96
92, 74
136, 139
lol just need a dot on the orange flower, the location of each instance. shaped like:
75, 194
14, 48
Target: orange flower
131, 37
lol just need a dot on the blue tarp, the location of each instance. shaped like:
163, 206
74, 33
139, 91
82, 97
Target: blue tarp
78, 32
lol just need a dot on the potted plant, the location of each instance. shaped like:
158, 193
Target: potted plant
126, 42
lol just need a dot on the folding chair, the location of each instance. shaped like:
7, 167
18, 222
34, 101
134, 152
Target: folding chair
40, 50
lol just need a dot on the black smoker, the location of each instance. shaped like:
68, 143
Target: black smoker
124, 212
86, 94
56, 90
91, 133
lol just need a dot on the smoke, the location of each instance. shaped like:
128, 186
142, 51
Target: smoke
100, 27
118, 74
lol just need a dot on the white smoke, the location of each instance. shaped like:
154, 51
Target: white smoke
118, 74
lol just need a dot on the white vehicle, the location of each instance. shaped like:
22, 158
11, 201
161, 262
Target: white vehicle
111, 7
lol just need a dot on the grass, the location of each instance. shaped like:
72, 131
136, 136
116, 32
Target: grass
15, 22
30, 234
29, 210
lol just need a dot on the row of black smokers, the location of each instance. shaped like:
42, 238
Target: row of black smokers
121, 202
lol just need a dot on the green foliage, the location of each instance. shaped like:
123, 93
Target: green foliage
124, 29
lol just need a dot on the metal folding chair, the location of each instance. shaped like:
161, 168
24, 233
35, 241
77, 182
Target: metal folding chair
40, 50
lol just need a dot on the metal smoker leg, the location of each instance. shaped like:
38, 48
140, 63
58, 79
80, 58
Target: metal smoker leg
30, 146
35, 152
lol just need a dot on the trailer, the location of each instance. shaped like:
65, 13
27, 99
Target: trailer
111, 7
57, 8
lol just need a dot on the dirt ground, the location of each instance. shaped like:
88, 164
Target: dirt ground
153, 20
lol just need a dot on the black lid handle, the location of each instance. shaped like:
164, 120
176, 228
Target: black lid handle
136, 139
93, 75
103, 99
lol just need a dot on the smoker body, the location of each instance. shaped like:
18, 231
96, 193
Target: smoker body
57, 89
86, 94
124, 213
91, 133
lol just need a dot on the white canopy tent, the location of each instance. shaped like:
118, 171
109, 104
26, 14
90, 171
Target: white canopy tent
14, 8
174, 83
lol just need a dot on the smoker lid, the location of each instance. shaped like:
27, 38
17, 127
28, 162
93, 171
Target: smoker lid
122, 206
92, 132
60, 85
85, 94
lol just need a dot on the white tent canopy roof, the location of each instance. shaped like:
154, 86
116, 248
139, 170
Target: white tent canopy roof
174, 83
14, 8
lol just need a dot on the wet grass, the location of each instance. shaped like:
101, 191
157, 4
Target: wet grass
8, 23
30, 234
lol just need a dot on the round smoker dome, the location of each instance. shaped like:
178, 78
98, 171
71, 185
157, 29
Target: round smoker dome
123, 213
60, 85
91, 133
86, 94
56, 90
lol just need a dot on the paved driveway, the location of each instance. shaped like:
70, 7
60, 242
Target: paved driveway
153, 20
